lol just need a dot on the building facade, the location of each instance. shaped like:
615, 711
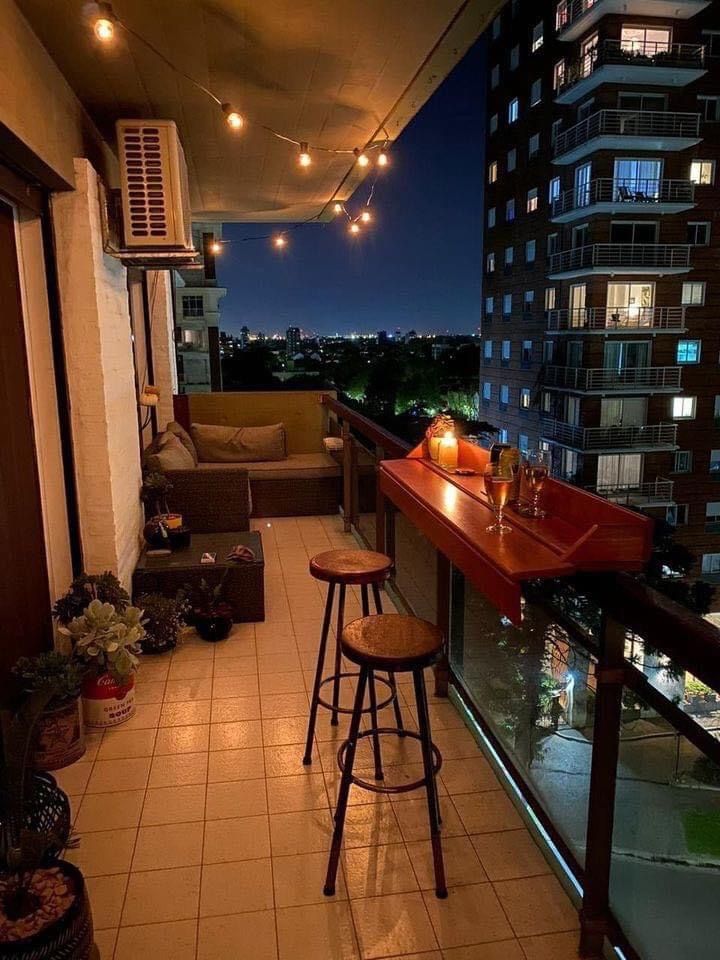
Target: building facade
600, 323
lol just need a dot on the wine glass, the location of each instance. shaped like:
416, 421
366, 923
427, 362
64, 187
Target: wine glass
536, 468
498, 486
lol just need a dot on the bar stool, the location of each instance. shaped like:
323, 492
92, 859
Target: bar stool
343, 568
397, 644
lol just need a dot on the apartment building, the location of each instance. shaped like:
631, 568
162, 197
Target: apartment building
601, 327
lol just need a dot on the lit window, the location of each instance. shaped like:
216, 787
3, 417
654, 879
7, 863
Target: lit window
716, 408
503, 435
688, 351
698, 234
491, 217
553, 244
711, 563
493, 123
530, 248
537, 37
532, 200
504, 394
523, 442
561, 15
513, 110
492, 172
712, 509
509, 256
534, 145
702, 172
546, 402
514, 58
507, 304
677, 514
547, 355
536, 92
511, 159
489, 306
526, 353
550, 298
496, 27
682, 462
495, 76
645, 40
558, 75
524, 398
488, 349
555, 130
490, 263
505, 351
683, 408
693, 293
510, 210
528, 298
715, 461
487, 391
554, 189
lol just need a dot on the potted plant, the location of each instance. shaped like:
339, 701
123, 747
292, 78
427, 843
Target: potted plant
59, 736
107, 640
44, 906
87, 587
162, 619
211, 615
163, 528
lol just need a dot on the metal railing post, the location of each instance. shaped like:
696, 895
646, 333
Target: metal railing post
347, 476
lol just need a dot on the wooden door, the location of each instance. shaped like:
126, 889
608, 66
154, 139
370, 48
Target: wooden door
25, 623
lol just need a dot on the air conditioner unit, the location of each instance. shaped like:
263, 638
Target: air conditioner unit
154, 186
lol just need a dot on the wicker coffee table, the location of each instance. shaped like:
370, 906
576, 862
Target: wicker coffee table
244, 585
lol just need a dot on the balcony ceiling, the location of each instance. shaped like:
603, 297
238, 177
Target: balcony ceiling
331, 72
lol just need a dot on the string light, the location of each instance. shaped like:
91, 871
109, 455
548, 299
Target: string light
280, 241
382, 158
104, 25
304, 158
365, 216
354, 228
234, 119
362, 158
216, 247
338, 208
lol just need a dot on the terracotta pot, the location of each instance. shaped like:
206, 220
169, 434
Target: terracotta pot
59, 737
106, 702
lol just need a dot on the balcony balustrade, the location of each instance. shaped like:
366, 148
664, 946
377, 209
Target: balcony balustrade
658, 492
620, 258
575, 17
625, 130
624, 195
609, 320
638, 437
610, 380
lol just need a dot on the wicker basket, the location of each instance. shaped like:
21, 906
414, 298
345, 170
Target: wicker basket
48, 810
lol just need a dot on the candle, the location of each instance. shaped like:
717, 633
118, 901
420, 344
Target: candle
448, 452
434, 447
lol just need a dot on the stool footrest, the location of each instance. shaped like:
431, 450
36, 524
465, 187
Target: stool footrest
387, 788
349, 710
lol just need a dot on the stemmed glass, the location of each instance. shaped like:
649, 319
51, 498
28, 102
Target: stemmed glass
536, 468
498, 486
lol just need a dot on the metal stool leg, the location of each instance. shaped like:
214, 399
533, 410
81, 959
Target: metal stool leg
345, 782
307, 759
338, 655
391, 676
430, 785
373, 695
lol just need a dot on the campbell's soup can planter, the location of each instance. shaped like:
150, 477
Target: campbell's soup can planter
106, 703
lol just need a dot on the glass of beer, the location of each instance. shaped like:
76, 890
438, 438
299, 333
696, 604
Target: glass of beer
499, 488
536, 469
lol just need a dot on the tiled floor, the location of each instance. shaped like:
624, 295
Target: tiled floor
203, 836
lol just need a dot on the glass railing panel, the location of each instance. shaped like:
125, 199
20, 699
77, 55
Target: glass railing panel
415, 569
365, 493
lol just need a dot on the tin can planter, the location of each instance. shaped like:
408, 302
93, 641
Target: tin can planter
59, 737
106, 703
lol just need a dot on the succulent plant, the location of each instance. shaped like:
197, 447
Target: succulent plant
87, 587
53, 672
107, 639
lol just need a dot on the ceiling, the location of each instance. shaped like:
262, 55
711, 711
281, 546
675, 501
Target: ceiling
337, 73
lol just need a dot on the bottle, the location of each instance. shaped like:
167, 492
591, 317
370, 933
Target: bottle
496, 451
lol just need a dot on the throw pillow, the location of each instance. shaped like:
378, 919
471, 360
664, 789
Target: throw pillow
219, 444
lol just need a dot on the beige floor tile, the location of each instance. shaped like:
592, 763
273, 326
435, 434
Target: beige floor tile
191, 669
103, 852
178, 769
456, 744
155, 896
284, 730
173, 805
109, 812
237, 798
106, 899
370, 823
412, 815
74, 779
146, 715
299, 880
500, 950
487, 812
236, 735
307, 831
93, 740
468, 776
284, 705
271, 664
322, 931
149, 691
551, 946
287, 761
273, 683
227, 938
231, 709
271, 632
510, 855
236, 765
462, 864
160, 941
154, 668
292, 794
282, 642
536, 905
240, 838
193, 649
235, 667
190, 739
378, 871
223, 687
392, 925
470, 914
185, 714
180, 691
105, 942
238, 887
168, 845
111, 775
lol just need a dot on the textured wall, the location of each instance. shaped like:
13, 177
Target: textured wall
160, 295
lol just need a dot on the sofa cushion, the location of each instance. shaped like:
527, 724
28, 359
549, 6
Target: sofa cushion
220, 444
184, 437
297, 466
169, 454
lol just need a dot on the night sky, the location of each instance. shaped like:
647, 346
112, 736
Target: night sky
418, 267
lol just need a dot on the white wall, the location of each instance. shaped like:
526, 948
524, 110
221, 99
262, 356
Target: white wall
160, 297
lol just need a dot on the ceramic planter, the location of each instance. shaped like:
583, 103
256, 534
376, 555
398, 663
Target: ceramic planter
106, 702
59, 738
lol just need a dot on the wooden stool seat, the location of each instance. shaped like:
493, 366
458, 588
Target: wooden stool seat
351, 567
392, 642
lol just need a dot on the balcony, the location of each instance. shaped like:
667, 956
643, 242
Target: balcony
647, 63
627, 130
657, 493
601, 380
638, 438
575, 17
610, 320
611, 195
658, 259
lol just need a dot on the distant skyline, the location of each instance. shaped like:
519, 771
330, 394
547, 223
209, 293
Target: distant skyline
418, 267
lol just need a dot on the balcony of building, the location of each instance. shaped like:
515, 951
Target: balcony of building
639, 438
600, 380
656, 493
656, 259
647, 63
662, 131
606, 321
612, 195
575, 17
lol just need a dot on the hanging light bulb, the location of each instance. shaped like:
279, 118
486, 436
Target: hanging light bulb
233, 119
215, 247
304, 158
382, 159
104, 25
361, 157
354, 228
338, 207
279, 241
365, 216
